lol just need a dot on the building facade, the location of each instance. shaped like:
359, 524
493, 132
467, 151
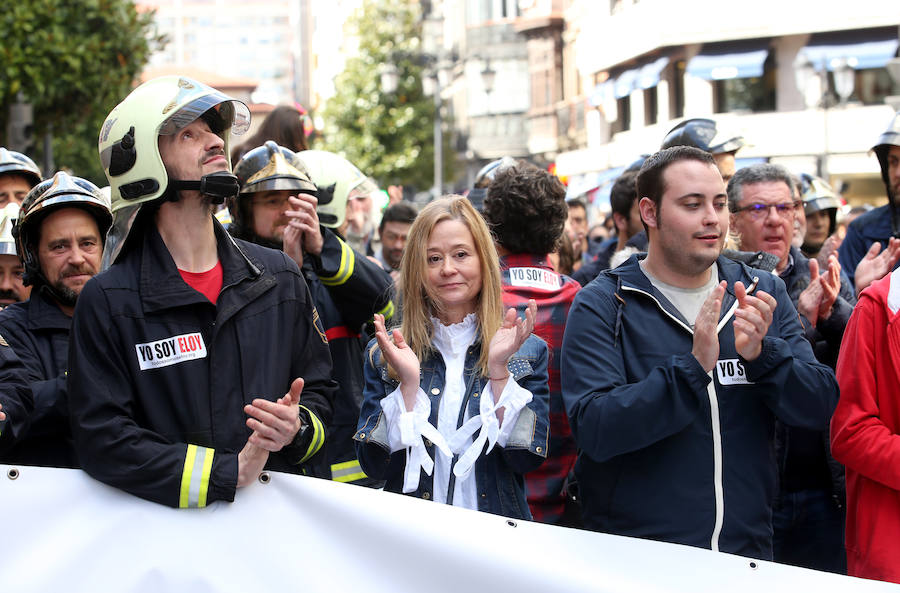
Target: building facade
647, 64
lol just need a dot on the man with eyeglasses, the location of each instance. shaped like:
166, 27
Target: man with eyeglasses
808, 517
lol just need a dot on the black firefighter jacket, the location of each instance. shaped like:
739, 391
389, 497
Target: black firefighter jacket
347, 289
159, 376
38, 332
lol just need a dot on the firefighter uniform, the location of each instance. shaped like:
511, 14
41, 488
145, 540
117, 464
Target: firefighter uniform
38, 332
15, 398
159, 376
347, 289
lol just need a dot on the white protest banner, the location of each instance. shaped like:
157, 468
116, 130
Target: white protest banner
63, 531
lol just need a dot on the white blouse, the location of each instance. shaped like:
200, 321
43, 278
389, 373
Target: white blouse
408, 430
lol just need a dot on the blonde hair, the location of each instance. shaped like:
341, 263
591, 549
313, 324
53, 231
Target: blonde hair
418, 305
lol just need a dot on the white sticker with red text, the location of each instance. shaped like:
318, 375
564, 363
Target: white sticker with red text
162, 353
534, 278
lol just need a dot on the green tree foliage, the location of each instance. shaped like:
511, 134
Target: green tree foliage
389, 136
73, 60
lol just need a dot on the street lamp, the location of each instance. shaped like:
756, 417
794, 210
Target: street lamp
438, 188
813, 83
488, 75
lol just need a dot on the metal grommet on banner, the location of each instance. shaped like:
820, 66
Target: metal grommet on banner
13, 473
512, 523
265, 478
753, 565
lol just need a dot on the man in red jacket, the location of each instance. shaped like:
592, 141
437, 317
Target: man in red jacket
865, 429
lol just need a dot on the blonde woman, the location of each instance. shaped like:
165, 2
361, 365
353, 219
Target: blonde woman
456, 399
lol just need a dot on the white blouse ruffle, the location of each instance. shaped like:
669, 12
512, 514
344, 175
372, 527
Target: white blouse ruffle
409, 430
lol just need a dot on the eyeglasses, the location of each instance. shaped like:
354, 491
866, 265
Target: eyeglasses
758, 211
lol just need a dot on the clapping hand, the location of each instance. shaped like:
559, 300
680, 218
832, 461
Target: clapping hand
508, 339
875, 265
817, 299
752, 320
706, 329
401, 357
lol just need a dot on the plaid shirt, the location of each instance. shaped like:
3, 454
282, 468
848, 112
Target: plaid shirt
528, 276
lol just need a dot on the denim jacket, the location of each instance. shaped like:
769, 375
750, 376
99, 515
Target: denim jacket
498, 475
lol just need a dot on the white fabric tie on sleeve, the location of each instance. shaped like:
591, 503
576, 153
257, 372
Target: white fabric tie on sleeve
407, 430
513, 398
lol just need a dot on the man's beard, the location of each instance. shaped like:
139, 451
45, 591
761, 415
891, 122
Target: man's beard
393, 263
270, 242
246, 233
65, 295
10, 295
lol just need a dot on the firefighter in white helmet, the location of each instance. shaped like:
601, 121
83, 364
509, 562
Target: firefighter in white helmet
197, 359
18, 174
12, 288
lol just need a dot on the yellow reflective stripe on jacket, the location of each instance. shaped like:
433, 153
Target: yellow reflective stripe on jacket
318, 438
388, 310
345, 270
347, 471
198, 463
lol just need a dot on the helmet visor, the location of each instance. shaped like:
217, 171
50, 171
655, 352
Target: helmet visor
362, 189
123, 219
231, 113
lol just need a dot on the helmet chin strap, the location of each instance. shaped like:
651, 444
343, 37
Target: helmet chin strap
218, 186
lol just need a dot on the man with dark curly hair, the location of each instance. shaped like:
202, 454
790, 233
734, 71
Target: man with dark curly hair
526, 210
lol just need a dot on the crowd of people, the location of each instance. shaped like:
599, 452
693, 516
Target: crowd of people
719, 372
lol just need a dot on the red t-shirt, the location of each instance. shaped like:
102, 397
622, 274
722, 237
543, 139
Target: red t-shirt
208, 283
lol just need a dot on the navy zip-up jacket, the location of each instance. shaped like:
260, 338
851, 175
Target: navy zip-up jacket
159, 376
669, 452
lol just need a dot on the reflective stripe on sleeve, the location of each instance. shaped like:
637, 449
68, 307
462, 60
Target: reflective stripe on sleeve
345, 270
388, 310
195, 477
347, 471
318, 437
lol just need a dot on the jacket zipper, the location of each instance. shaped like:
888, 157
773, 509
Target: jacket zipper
715, 423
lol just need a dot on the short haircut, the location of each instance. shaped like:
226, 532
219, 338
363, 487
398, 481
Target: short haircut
623, 193
525, 209
576, 203
760, 173
400, 212
650, 182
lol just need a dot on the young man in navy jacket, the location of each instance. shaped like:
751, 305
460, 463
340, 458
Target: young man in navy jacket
674, 366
